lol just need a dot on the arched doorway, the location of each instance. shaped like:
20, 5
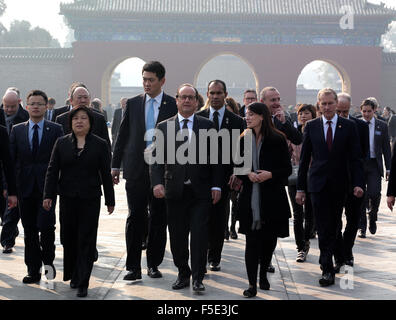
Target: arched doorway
320, 74
238, 75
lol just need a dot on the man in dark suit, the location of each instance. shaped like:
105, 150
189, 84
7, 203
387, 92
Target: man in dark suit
31, 146
50, 113
58, 111
189, 188
379, 150
331, 153
14, 114
141, 114
353, 206
115, 125
80, 96
2, 118
249, 96
224, 120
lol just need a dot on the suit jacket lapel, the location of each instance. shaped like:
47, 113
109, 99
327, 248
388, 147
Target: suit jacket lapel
162, 109
26, 141
226, 120
377, 138
142, 112
44, 137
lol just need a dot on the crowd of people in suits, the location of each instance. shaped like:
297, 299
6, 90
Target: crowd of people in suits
329, 161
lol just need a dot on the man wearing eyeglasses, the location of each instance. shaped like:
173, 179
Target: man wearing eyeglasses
31, 146
249, 96
14, 114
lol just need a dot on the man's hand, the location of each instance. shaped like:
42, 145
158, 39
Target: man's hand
235, 183
115, 174
280, 114
159, 191
391, 202
387, 175
47, 204
110, 209
253, 177
358, 192
216, 195
12, 202
264, 175
5, 193
300, 197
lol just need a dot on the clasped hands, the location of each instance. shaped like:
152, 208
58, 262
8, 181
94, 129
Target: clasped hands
259, 176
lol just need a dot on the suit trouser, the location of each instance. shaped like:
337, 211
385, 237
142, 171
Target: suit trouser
80, 218
346, 240
259, 248
10, 226
373, 193
139, 197
39, 229
2, 204
327, 208
189, 215
217, 226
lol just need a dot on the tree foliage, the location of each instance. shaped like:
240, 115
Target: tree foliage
21, 34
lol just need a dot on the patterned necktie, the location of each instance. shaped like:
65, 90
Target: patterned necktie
329, 137
216, 120
150, 123
35, 141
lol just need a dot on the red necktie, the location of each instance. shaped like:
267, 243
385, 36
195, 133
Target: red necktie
329, 137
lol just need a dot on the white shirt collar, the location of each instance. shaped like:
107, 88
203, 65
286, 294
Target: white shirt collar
181, 118
333, 120
221, 111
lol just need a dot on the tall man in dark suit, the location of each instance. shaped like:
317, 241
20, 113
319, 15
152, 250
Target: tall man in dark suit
80, 96
353, 205
31, 146
379, 150
226, 121
50, 113
189, 188
141, 114
115, 125
14, 114
249, 96
329, 164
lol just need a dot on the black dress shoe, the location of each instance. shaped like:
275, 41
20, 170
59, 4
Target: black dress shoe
250, 292
227, 235
73, 285
32, 278
327, 279
7, 249
264, 283
82, 292
234, 235
271, 268
373, 227
154, 273
133, 275
181, 283
198, 286
214, 266
96, 255
338, 266
362, 234
50, 272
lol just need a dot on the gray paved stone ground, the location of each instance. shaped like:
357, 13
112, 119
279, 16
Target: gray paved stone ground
374, 275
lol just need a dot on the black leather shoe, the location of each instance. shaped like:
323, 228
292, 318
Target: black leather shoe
73, 285
271, 268
326, 280
264, 283
362, 234
96, 256
7, 249
214, 266
373, 227
50, 272
198, 286
338, 266
250, 292
133, 275
32, 278
181, 283
234, 235
154, 273
82, 292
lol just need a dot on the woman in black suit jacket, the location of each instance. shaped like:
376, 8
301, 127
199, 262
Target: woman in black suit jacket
80, 163
263, 205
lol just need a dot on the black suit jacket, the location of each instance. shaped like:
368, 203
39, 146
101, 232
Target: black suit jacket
292, 134
53, 117
115, 126
29, 170
230, 121
99, 125
382, 145
274, 157
6, 164
392, 176
363, 132
130, 144
242, 111
75, 174
335, 167
2, 118
172, 175
59, 111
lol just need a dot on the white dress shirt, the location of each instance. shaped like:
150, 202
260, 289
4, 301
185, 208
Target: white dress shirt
221, 112
333, 125
371, 125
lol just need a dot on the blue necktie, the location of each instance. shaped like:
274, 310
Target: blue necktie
150, 122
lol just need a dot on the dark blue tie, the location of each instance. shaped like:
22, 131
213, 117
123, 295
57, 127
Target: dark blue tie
35, 141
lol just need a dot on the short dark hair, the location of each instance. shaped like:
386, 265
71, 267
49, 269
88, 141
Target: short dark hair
218, 82
37, 93
155, 67
51, 101
85, 109
250, 91
368, 102
307, 107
